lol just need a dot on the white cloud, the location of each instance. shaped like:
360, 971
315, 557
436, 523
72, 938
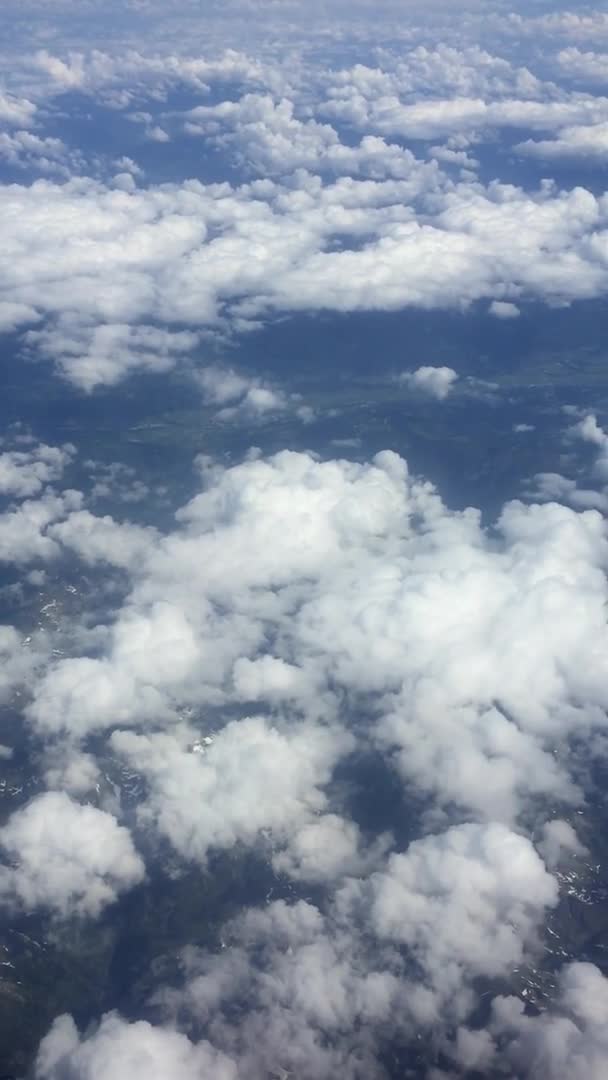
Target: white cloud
92, 355
466, 903
24, 531
252, 778
502, 309
589, 66
70, 858
559, 838
583, 140
319, 594
437, 382
16, 111
118, 1050
20, 660
555, 486
289, 582
316, 994
327, 848
105, 265
25, 150
246, 397
569, 1039
25, 472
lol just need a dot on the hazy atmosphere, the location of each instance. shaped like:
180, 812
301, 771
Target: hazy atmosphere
303, 543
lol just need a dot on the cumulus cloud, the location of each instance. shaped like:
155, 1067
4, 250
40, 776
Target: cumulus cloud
191, 254
555, 486
466, 903
246, 397
437, 382
584, 140
24, 531
569, 1039
25, 472
70, 858
395, 954
502, 309
559, 839
16, 111
118, 1050
92, 355
299, 610
588, 66
20, 659
289, 582
252, 777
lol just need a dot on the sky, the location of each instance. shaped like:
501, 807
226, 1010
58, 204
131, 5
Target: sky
263, 643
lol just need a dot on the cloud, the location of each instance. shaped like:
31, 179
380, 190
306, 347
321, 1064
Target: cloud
395, 954
465, 903
70, 858
555, 486
588, 66
92, 355
326, 849
299, 616
21, 660
23, 531
297, 585
25, 150
25, 472
569, 1039
314, 994
246, 397
16, 111
141, 270
559, 839
582, 141
118, 1050
502, 309
437, 382
252, 778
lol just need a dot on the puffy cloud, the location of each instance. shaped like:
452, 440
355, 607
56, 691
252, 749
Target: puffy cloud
273, 141
150, 657
291, 582
555, 486
16, 111
294, 598
24, 531
93, 355
502, 309
69, 769
70, 858
24, 150
316, 995
118, 1050
252, 778
559, 839
190, 254
20, 660
569, 1039
25, 472
583, 140
102, 539
246, 397
397, 953
437, 382
136, 71
466, 903
327, 848
589, 66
